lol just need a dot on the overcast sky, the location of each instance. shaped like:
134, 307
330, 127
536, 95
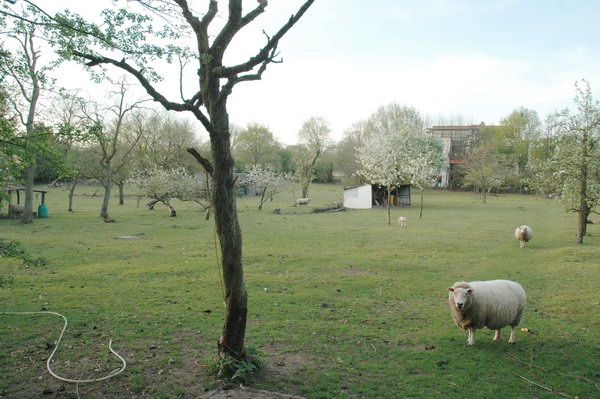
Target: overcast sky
476, 58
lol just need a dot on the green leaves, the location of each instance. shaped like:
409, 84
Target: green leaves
240, 369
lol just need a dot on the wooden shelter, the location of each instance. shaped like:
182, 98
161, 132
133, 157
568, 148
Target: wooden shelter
17, 189
373, 195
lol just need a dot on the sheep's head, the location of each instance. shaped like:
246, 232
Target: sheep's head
460, 297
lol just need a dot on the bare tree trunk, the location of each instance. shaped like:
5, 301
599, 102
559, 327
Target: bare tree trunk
121, 193
389, 206
172, 211
107, 191
484, 193
71, 194
583, 208
28, 204
305, 190
230, 237
421, 211
262, 198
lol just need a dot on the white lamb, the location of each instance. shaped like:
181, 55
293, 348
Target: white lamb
402, 221
523, 234
493, 304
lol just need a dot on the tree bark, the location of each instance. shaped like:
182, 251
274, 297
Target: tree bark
262, 198
583, 208
421, 211
28, 204
107, 191
121, 193
71, 194
230, 237
305, 191
389, 214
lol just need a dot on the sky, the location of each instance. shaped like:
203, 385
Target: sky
479, 59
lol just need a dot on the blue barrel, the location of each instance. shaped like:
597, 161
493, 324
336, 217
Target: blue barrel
42, 211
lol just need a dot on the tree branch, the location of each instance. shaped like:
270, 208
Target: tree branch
266, 52
202, 161
152, 92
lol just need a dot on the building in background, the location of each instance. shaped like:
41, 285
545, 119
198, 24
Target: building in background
455, 141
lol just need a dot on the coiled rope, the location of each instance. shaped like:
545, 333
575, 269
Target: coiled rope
56, 347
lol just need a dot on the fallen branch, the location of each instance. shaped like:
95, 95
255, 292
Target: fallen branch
330, 208
541, 386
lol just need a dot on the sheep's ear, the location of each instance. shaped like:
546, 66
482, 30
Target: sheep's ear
451, 289
469, 290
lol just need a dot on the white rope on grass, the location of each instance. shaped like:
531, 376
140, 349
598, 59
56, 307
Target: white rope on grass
56, 347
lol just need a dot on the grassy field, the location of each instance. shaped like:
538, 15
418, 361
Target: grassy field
342, 305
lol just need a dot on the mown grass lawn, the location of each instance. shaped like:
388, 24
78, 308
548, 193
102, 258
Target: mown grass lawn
342, 304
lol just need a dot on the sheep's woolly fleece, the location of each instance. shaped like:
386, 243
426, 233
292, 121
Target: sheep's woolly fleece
494, 304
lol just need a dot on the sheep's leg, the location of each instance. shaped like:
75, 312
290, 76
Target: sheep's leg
497, 335
522, 244
471, 338
512, 338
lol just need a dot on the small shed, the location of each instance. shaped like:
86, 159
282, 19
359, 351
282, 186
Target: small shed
358, 197
372, 195
17, 189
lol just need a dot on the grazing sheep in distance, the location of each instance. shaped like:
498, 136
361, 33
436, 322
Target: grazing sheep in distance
402, 221
523, 234
493, 304
302, 201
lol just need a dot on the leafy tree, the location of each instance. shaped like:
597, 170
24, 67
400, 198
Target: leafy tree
426, 161
577, 156
485, 167
127, 40
389, 147
108, 133
518, 132
26, 77
543, 166
256, 146
268, 181
345, 152
313, 138
9, 148
165, 185
323, 169
164, 143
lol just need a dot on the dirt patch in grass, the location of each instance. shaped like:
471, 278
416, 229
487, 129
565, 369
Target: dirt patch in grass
285, 364
246, 393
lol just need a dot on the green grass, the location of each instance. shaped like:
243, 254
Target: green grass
342, 304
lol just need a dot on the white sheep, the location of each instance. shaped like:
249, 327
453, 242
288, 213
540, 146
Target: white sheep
523, 234
493, 304
302, 201
402, 221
